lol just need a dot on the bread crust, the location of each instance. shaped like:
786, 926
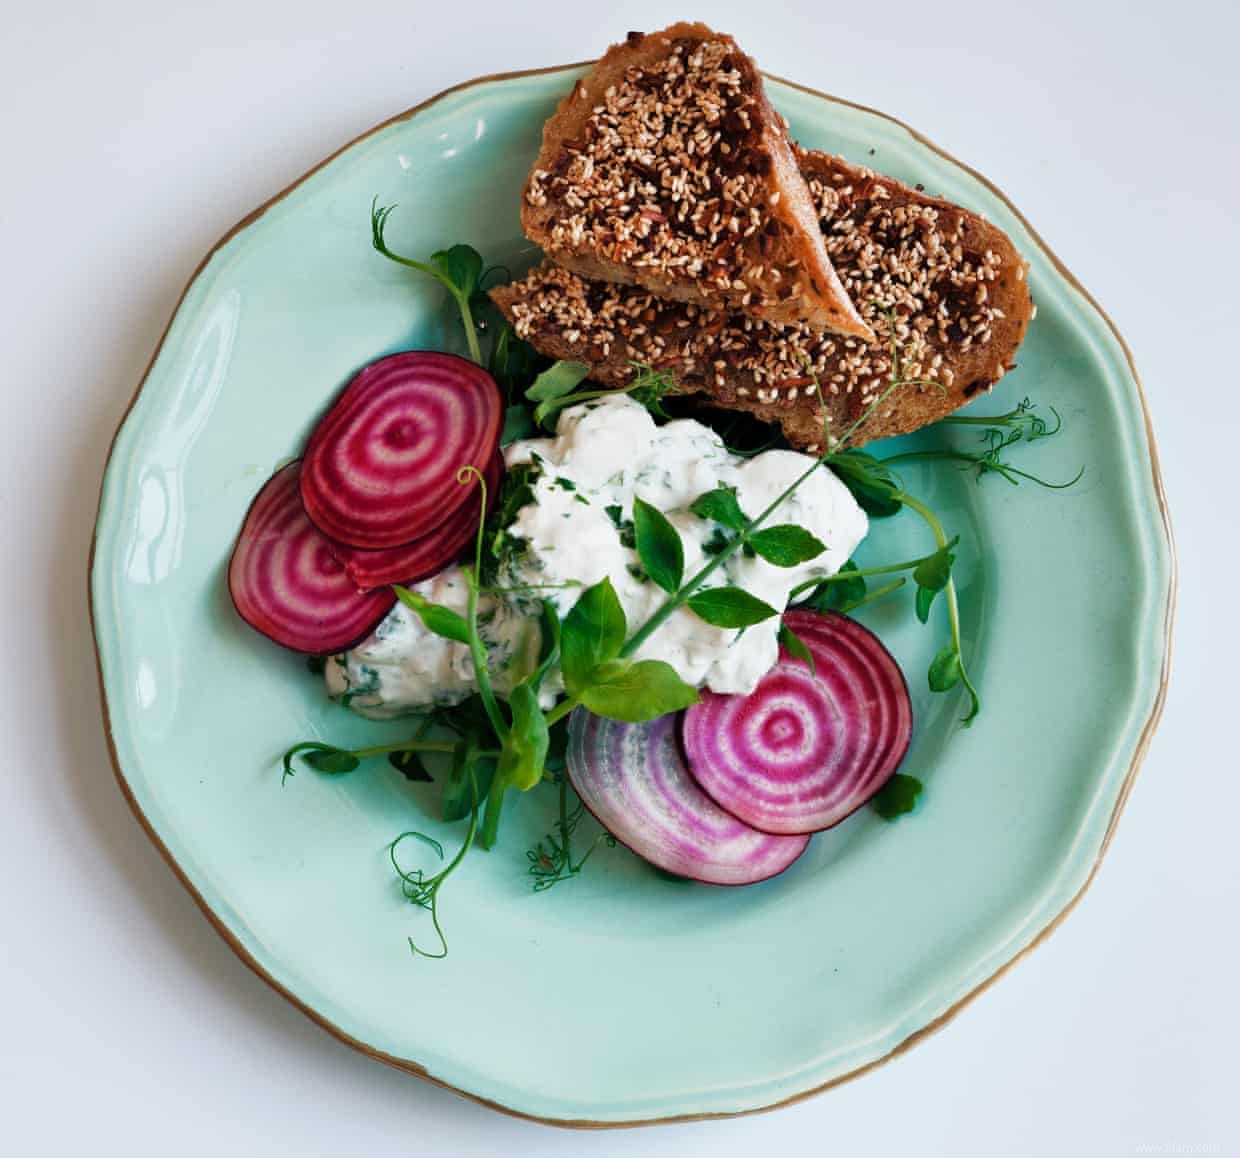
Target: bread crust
615, 249
974, 344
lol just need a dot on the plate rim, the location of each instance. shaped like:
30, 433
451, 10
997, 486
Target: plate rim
411, 1067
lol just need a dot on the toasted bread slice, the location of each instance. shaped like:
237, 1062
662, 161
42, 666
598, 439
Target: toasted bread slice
945, 283
666, 167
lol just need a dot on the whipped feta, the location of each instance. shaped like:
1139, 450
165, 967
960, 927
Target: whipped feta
577, 530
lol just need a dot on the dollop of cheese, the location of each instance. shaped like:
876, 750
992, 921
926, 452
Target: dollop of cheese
605, 454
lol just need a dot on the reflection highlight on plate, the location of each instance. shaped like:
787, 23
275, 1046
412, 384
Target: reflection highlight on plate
155, 549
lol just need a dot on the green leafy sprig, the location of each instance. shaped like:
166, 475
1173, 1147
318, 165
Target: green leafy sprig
335, 761
459, 269
1000, 432
551, 859
555, 389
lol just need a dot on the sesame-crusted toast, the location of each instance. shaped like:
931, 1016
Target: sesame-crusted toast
948, 284
666, 167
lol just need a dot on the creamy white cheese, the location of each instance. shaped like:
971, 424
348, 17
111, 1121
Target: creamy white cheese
403, 667
605, 454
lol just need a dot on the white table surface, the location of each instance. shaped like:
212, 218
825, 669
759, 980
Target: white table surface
135, 133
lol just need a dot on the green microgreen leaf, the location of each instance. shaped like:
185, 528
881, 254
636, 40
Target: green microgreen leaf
720, 506
518, 424
512, 362
659, 547
729, 607
525, 748
458, 270
871, 482
846, 589
461, 266
592, 633
636, 691
931, 575
650, 386
333, 760
468, 775
944, 673
897, 797
935, 570
796, 647
549, 650
439, 620
557, 381
786, 545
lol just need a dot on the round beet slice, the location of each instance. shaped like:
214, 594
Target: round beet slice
431, 553
286, 583
634, 780
381, 468
805, 748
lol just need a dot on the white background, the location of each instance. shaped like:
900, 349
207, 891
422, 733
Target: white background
133, 134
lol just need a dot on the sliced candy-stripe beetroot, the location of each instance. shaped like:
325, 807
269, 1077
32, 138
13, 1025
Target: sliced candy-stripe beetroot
430, 554
805, 748
381, 467
286, 583
633, 778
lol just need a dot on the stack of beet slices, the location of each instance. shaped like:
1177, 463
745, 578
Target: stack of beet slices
382, 495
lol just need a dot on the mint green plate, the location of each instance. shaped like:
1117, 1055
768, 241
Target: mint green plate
618, 997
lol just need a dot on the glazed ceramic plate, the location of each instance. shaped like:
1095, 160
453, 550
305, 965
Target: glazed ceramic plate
619, 996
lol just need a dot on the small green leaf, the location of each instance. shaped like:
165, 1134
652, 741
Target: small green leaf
334, 760
461, 267
872, 484
897, 796
924, 601
549, 650
786, 545
935, 570
650, 386
847, 591
796, 647
944, 671
635, 692
729, 607
593, 633
468, 719
437, 620
409, 765
720, 506
518, 424
659, 547
457, 801
517, 492
839, 593
556, 381
525, 748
